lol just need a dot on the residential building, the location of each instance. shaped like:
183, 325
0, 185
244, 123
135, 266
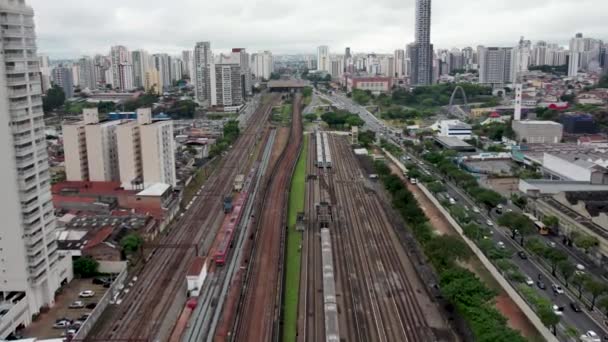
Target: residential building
375, 84
46, 71
102, 70
495, 65
204, 85
75, 67
188, 63
399, 60
162, 63
177, 69
323, 62
152, 81
121, 68
262, 65
243, 59
228, 83
87, 77
141, 64
29, 262
521, 59
336, 67
62, 77
422, 50
538, 132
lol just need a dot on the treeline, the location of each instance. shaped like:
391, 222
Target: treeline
555, 69
467, 293
231, 133
342, 119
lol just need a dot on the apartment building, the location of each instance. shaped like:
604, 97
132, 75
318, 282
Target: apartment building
31, 269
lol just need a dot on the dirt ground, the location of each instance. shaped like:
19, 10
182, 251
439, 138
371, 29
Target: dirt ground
43, 327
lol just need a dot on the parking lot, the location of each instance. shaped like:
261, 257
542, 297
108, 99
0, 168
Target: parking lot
43, 327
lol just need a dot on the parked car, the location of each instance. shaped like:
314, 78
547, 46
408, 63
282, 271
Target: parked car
590, 336
522, 255
101, 281
76, 305
575, 307
557, 289
541, 285
91, 305
580, 267
558, 310
529, 281
61, 325
86, 294
452, 201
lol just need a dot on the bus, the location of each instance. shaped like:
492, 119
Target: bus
542, 229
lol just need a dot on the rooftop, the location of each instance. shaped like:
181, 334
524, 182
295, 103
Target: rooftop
453, 142
554, 187
288, 84
157, 189
197, 266
539, 122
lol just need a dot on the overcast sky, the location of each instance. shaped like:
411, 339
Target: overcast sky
69, 28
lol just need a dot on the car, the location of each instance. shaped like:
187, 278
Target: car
590, 336
91, 305
76, 305
551, 244
100, 281
86, 294
476, 210
500, 245
541, 285
84, 317
575, 307
557, 289
452, 201
522, 255
529, 281
61, 325
580, 267
558, 310
490, 223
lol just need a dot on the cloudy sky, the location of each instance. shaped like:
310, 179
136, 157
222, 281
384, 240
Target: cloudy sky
69, 28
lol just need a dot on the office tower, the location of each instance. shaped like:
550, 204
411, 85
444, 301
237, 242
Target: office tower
399, 60
205, 74
177, 69
188, 63
495, 65
228, 82
540, 54
30, 262
323, 58
102, 66
387, 66
45, 71
62, 76
87, 73
121, 68
141, 64
162, 63
521, 58
336, 69
422, 50
347, 59
310, 62
152, 82
243, 59
262, 65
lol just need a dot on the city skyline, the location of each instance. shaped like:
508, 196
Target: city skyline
66, 31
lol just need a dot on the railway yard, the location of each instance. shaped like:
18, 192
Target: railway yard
149, 311
367, 289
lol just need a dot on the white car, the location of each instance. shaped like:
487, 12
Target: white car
557, 289
490, 223
590, 336
529, 281
580, 267
452, 201
476, 210
86, 294
61, 325
558, 311
501, 245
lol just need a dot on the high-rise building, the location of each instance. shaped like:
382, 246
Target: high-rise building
205, 74
323, 62
228, 82
584, 54
188, 63
141, 64
75, 67
521, 58
468, 56
162, 63
422, 50
102, 66
336, 69
399, 61
29, 262
347, 59
87, 73
495, 65
152, 81
62, 77
243, 59
45, 71
262, 65
121, 67
177, 69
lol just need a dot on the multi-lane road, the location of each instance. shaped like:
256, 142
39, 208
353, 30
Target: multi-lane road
582, 321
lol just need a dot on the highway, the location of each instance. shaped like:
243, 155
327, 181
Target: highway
583, 321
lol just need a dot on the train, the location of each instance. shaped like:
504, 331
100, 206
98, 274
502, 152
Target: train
230, 223
324, 159
330, 304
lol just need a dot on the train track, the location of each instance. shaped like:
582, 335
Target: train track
145, 312
379, 292
259, 310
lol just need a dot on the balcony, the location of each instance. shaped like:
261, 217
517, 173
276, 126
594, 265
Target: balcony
16, 105
37, 270
20, 92
35, 251
19, 45
19, 57
23, 184
22, 139
15, 81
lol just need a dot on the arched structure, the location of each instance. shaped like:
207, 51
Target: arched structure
464, 97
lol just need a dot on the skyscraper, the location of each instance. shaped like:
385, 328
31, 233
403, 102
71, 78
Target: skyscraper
121, 67
243, 59
399, 61
262, 64
495, 65
323, 63
205, 74
228, 82
422, 50
188, 59
87, 73
162, 63
62, 77
30, 263
522, 54
141, 61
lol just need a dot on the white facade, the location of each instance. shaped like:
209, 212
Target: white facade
204, 74
86, 71
576, 171
455, 128
495, 65
399, 61
162, 63
262, 65
158, 153
121, 68
521, 59
29, 261
336, 67
141, 65
188, 60
323, 62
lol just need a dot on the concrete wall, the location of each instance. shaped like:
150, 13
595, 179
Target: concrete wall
519, 301
76, 167
112, 266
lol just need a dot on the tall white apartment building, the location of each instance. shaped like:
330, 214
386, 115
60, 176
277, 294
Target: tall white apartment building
399, 60
204, 85
29, 262
188, 60
495, 65
141, 64
45, 71
323, 61
262, 65
162, 63
243, 58
521, 59
177, 69
228, 81
336, 69
86, 71
121, 68
120, 150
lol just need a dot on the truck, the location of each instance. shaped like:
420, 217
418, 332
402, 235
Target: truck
238, 183
227, 204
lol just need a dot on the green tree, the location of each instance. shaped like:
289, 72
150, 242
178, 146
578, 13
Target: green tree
596, 288
490, 199
536, 246
586, 242
548, 317
54, 98
85, 267
131, 243
566, 268
436, 187
555, 256
307, 91
353, 121
518, 224
579, 280
602, 303
310, 117
551, 222
446, 249
275, 76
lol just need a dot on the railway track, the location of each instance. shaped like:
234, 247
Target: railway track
378, 290
259, 309
145, 312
